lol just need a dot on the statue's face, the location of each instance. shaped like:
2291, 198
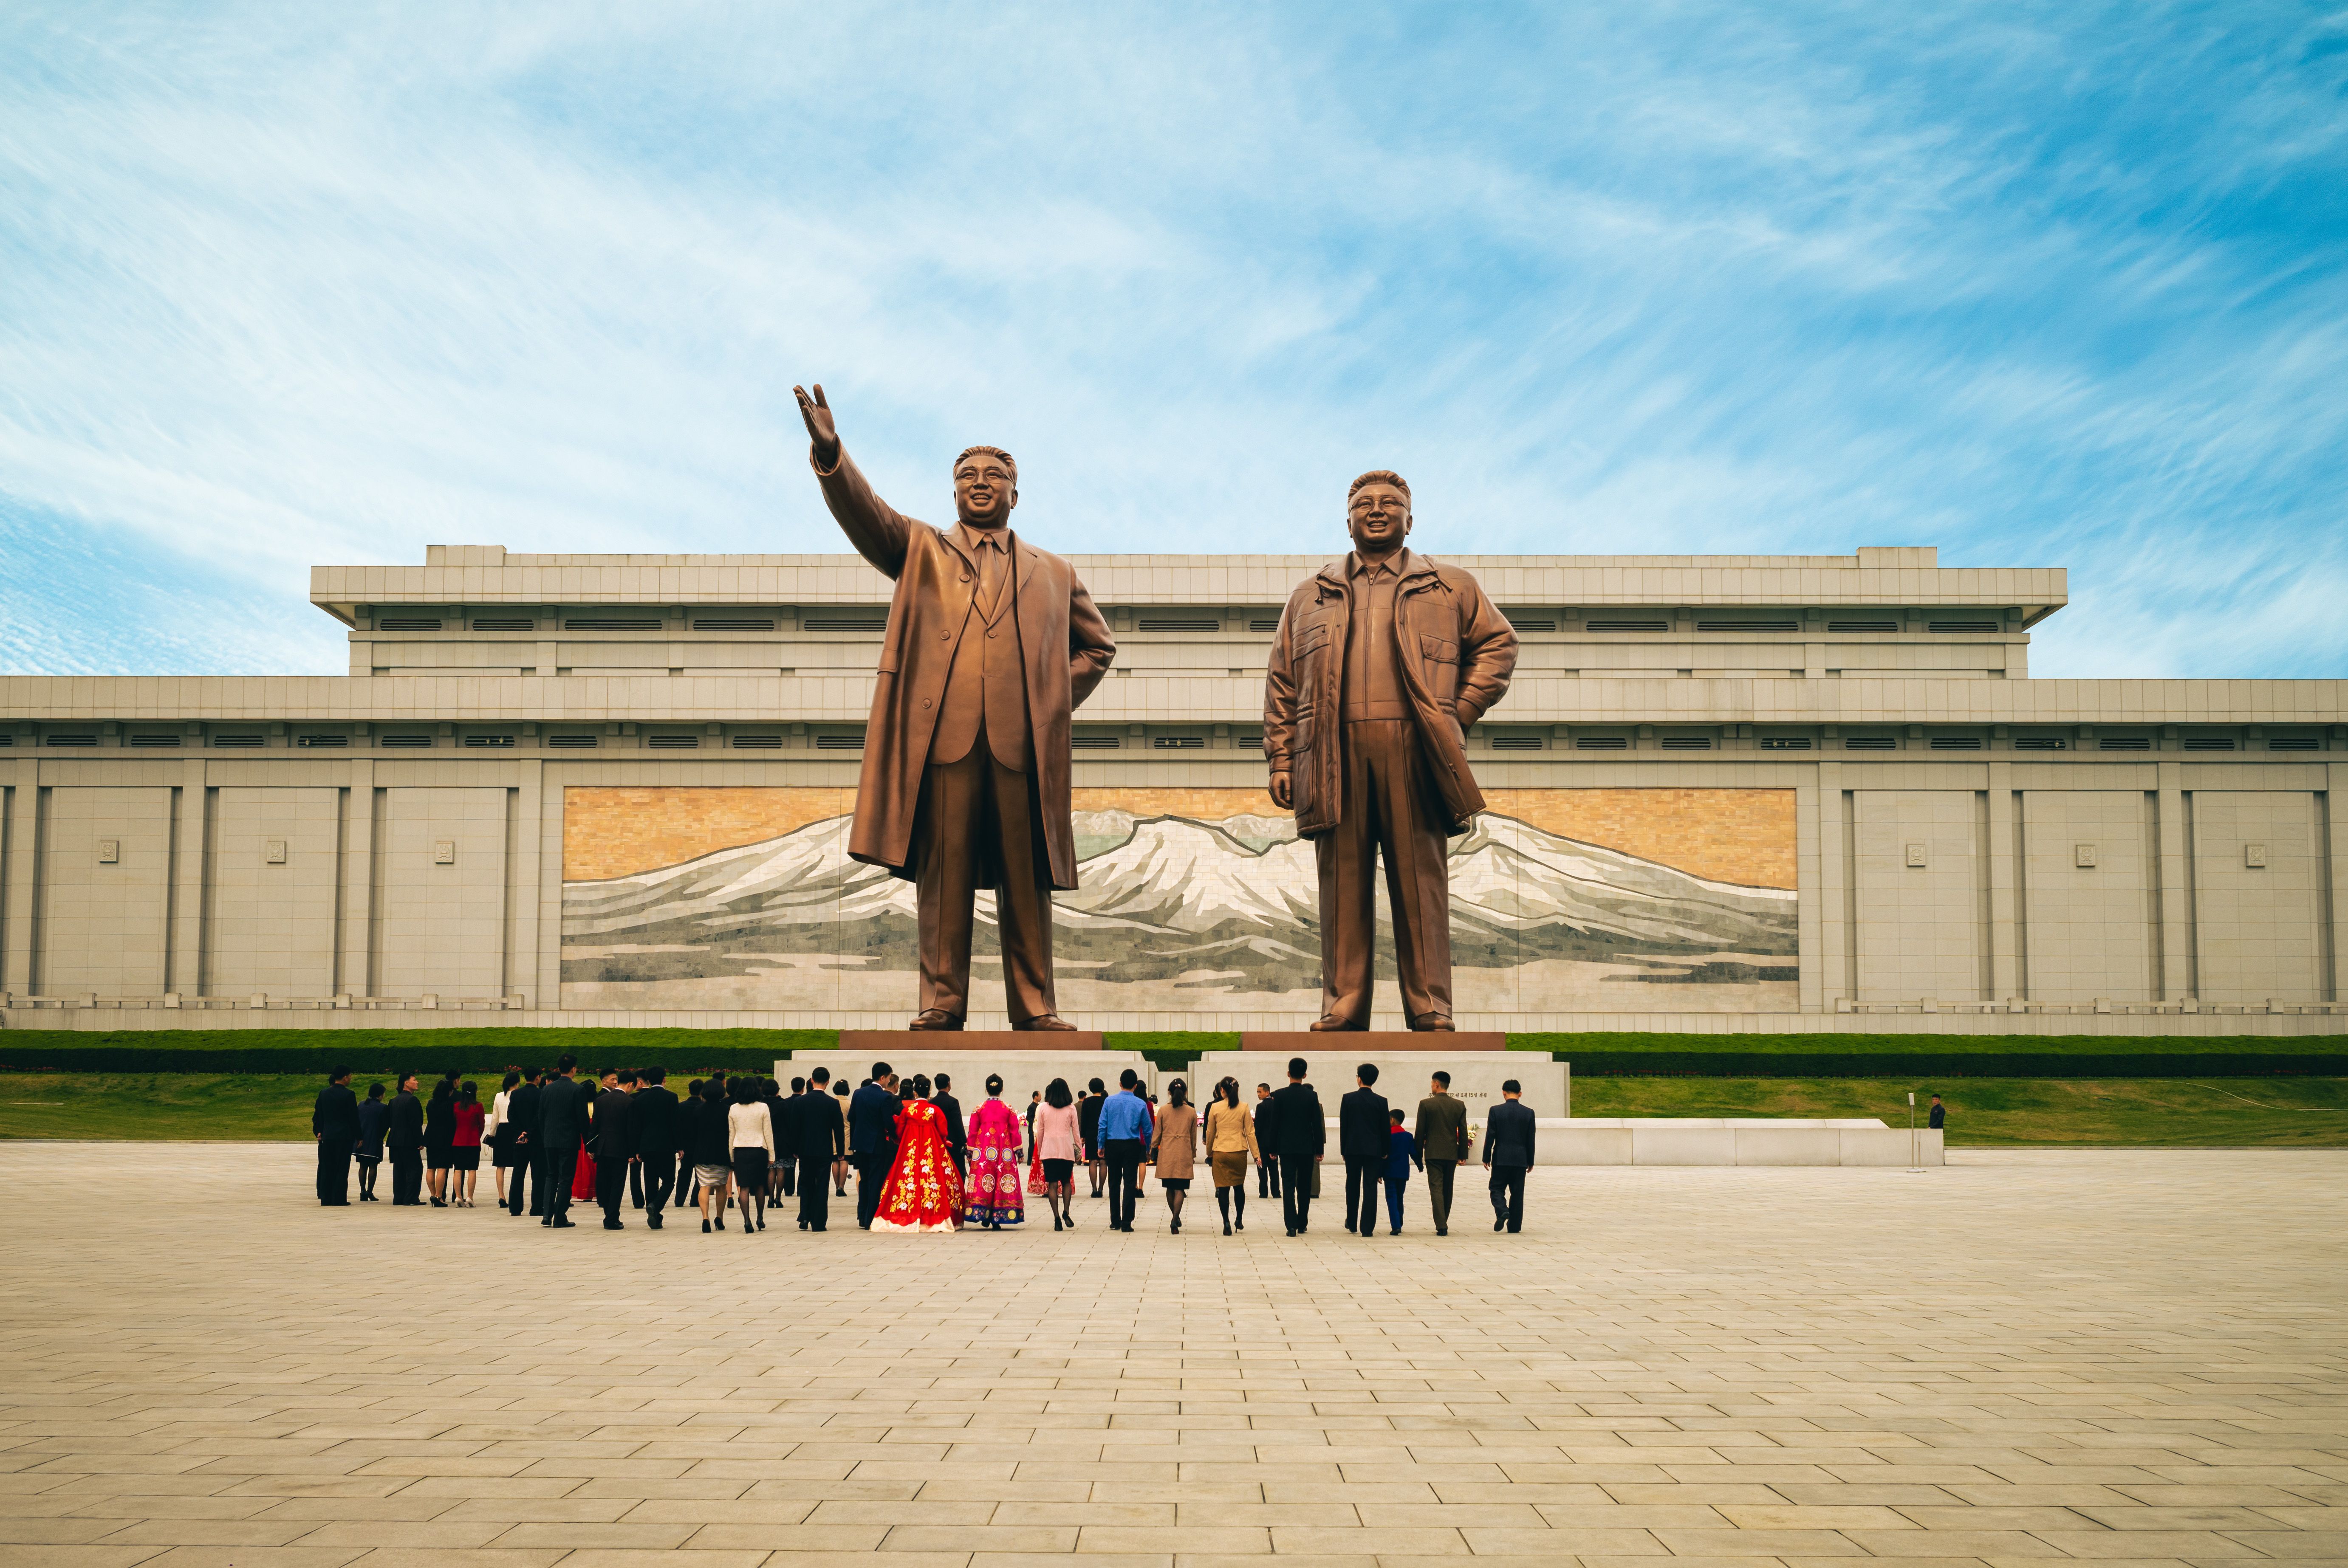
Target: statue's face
1378, 517
984, 493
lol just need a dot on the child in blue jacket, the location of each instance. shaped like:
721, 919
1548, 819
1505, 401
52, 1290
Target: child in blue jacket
1401, 1154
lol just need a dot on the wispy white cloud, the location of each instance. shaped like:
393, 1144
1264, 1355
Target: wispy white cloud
2047, 287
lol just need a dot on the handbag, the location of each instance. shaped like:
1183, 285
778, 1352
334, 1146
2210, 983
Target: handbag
1316, 1179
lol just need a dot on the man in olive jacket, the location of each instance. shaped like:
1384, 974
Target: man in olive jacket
1383, 660
1442, 1137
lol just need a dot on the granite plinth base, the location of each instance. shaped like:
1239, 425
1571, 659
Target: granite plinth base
1332, 1060
884, 1040
1027, 1067
1372, 1042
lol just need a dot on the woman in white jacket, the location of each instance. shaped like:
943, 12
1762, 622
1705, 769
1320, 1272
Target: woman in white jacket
751, 1133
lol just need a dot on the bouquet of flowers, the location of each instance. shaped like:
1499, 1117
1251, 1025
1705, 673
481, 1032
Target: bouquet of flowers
1474, 1137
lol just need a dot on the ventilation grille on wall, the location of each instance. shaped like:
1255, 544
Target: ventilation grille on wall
56, 740
671, 743
322, 740
734, 623
386, 741
854, 742
1517, 744
1785, 742
1956, 742
570, 742
1248, 742
1628, 625
1962, 625
611, 623
154, 740
489, 740
1600, 743
1851, 626
237, 741
1688, 743
757, 742
2125, 743
7, 740
1870, 743
407, 623
2294, 744
504, 623
1264, 623
857, 619
1525, 621
1179, 623
2041, 743
1748, 626
1094, 743
2209, 743
1178, 742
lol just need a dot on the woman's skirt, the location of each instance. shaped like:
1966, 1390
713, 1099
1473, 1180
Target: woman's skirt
511, 1151
1174, 1184
1059, 1170
1229, 1167
750, 1168
438, 1156
711, 1176
465, 1157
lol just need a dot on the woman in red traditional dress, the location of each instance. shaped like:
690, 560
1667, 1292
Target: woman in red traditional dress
995, 1200
923, 1192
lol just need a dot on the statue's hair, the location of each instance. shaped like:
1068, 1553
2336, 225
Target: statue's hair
1008, 460
1374, 476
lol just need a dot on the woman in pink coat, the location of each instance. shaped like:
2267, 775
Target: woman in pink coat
996, 1193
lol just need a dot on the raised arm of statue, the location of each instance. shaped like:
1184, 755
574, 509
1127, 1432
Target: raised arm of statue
877, 529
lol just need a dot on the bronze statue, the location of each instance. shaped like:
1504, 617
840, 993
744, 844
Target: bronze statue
1383, 660
991, 645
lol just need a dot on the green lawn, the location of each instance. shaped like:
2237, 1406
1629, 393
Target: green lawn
2272, 1112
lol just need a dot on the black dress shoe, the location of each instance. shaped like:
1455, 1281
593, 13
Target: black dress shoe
566, 1225
653, 1221
1499, 1224
613, 1225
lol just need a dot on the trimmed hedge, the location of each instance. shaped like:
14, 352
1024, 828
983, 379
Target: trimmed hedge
483, 1051
1940, 1056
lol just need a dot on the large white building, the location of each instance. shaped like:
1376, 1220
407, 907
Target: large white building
1777, 792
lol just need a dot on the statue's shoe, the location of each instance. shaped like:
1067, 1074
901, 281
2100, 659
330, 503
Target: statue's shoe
937, 1020
1432, 1023
1330, 1023
1046, 1023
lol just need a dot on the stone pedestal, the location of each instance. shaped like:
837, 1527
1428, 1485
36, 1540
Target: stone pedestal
1024, 1071
1405, 1063
879, 1043
1304, 1042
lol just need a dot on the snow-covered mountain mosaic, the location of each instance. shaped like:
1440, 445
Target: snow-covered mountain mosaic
1170, 905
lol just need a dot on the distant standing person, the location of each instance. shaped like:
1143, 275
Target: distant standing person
957, 1134
711, 1145
335, 1123
872, 1140
750, 1139
1175, 1145
1124, 1132
1267, 1168
374, 1120
1508, 1155
1362, 1133
497, 1137
997, 1193
1059, 1145
465, 1145
1442, 1138
1301, 1134
615, 1146
1401, 1149
440, 1139
823, 1141
1089, 1125
839, 1167
405, 1141
1938, 1119
528, 1187
1231, 1144
653, 1119
562, 1120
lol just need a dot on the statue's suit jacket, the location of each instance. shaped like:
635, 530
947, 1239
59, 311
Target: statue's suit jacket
1064, 649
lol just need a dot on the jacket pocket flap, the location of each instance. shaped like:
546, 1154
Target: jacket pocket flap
1439, 648
1309, 636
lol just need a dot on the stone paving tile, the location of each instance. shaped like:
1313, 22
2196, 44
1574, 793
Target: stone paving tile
2131, 1358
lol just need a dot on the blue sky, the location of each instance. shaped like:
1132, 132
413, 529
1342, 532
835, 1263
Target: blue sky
2059, 285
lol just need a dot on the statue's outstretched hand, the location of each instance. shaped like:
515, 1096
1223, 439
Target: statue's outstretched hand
822, 428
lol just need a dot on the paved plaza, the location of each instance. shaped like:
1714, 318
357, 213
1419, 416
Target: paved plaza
2120, 1357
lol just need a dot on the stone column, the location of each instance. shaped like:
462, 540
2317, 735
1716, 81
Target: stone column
354, 960
23, 777
2004, 896
2175, 871
188, 893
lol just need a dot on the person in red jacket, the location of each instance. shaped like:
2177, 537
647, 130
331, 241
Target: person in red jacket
465, 1147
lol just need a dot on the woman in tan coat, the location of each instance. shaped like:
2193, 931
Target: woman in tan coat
1230, 1145
1174, 1148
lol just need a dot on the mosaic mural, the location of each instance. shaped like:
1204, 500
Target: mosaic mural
1193, 900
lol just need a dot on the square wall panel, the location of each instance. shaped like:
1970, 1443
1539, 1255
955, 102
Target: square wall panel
2256, 909
2087, 883
442, 875
270, 925
1919, 881
106, 898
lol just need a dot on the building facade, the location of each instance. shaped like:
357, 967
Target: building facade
1808, 792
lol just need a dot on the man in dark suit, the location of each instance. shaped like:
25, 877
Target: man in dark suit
562, 1127
1299, 1134
529, 1153
965, 784
1508, 1155
335, 1123
1442, 1138
957, 1135
872, 1140
652, 1119
615, 1146
786, 1137
1267, 1158
406, 1142
1366, 1138
823, 1138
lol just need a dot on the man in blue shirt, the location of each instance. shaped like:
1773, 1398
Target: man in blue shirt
1124, 1134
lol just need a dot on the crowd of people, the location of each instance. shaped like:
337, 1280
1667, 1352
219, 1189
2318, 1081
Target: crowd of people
736, 1145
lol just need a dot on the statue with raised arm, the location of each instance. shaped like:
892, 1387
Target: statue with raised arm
991, 645
1383, 660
